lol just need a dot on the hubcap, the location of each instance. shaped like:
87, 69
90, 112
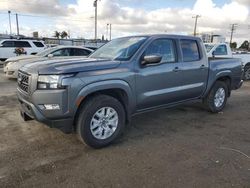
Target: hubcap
219, 97
104, 123
247, 74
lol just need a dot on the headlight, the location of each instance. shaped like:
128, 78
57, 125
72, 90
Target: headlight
51, 81
8, 63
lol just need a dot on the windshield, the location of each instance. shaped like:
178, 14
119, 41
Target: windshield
46, 52
208, 47
121, 49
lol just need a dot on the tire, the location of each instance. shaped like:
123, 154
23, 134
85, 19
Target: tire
93, 125
247, 73
216, 103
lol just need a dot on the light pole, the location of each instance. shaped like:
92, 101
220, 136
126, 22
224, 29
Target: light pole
95, 5
195, 24
9, 12
110, 26
107, 31
17, 25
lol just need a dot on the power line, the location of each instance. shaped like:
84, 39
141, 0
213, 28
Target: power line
47, 17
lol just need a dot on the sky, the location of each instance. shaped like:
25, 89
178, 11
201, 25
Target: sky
128, 17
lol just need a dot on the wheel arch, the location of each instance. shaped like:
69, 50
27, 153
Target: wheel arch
115, 88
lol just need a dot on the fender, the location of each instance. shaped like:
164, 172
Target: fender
109, 84
225, 73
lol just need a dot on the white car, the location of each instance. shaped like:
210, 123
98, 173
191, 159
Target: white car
9, 47
223, 50
12, 65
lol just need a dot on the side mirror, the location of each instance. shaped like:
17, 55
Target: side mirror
50, 55
151, 59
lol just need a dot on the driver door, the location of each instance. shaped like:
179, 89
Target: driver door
158, 84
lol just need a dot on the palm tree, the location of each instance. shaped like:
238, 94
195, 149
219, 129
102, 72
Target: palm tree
64, 34
57, 34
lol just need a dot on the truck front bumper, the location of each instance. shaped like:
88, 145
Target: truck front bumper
31, 112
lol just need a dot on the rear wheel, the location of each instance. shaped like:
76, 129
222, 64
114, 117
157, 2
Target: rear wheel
100, 121
217, 97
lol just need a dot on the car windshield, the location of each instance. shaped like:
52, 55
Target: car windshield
208, 47
121, 49
47, 52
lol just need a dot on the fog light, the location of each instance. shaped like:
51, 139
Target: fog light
52, 106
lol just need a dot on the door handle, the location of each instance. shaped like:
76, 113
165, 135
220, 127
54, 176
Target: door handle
202, 67
176, 69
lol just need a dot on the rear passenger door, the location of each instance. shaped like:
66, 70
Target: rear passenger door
193, 69
25, 45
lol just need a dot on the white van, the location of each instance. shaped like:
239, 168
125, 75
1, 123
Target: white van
8, 47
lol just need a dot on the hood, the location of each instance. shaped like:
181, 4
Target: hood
21, 57
64, 66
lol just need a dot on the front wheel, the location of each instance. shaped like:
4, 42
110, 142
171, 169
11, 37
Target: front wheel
100, 121
247, 73
217, 97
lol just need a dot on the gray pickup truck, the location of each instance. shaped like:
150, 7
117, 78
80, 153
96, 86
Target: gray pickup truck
96, 96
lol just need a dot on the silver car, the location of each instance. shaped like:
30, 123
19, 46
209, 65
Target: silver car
12, 65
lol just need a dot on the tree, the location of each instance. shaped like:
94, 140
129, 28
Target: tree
64, 34
233, 45
245, 45
57, 34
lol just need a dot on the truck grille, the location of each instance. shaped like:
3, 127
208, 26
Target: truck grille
23, 81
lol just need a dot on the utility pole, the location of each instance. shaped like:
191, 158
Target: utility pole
9, 12
107, 31
95, 5
233, 28
17, 25
110, 31
195, 24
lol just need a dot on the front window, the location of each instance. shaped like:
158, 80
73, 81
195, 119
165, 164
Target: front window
221, 50
121, 49
164, 48
8, 44
46, 52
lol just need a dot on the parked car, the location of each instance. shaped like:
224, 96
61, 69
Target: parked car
96, 96
12, 65
13, 47
223, 50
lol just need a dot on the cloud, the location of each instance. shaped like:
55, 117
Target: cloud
45, 7
244, 2
128, 20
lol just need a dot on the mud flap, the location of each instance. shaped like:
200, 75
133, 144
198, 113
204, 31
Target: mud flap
25, 116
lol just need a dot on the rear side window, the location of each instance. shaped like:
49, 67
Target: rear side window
38, 44
22, 44
79, 52
164, 48
221, 50
190, 50
8, 44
